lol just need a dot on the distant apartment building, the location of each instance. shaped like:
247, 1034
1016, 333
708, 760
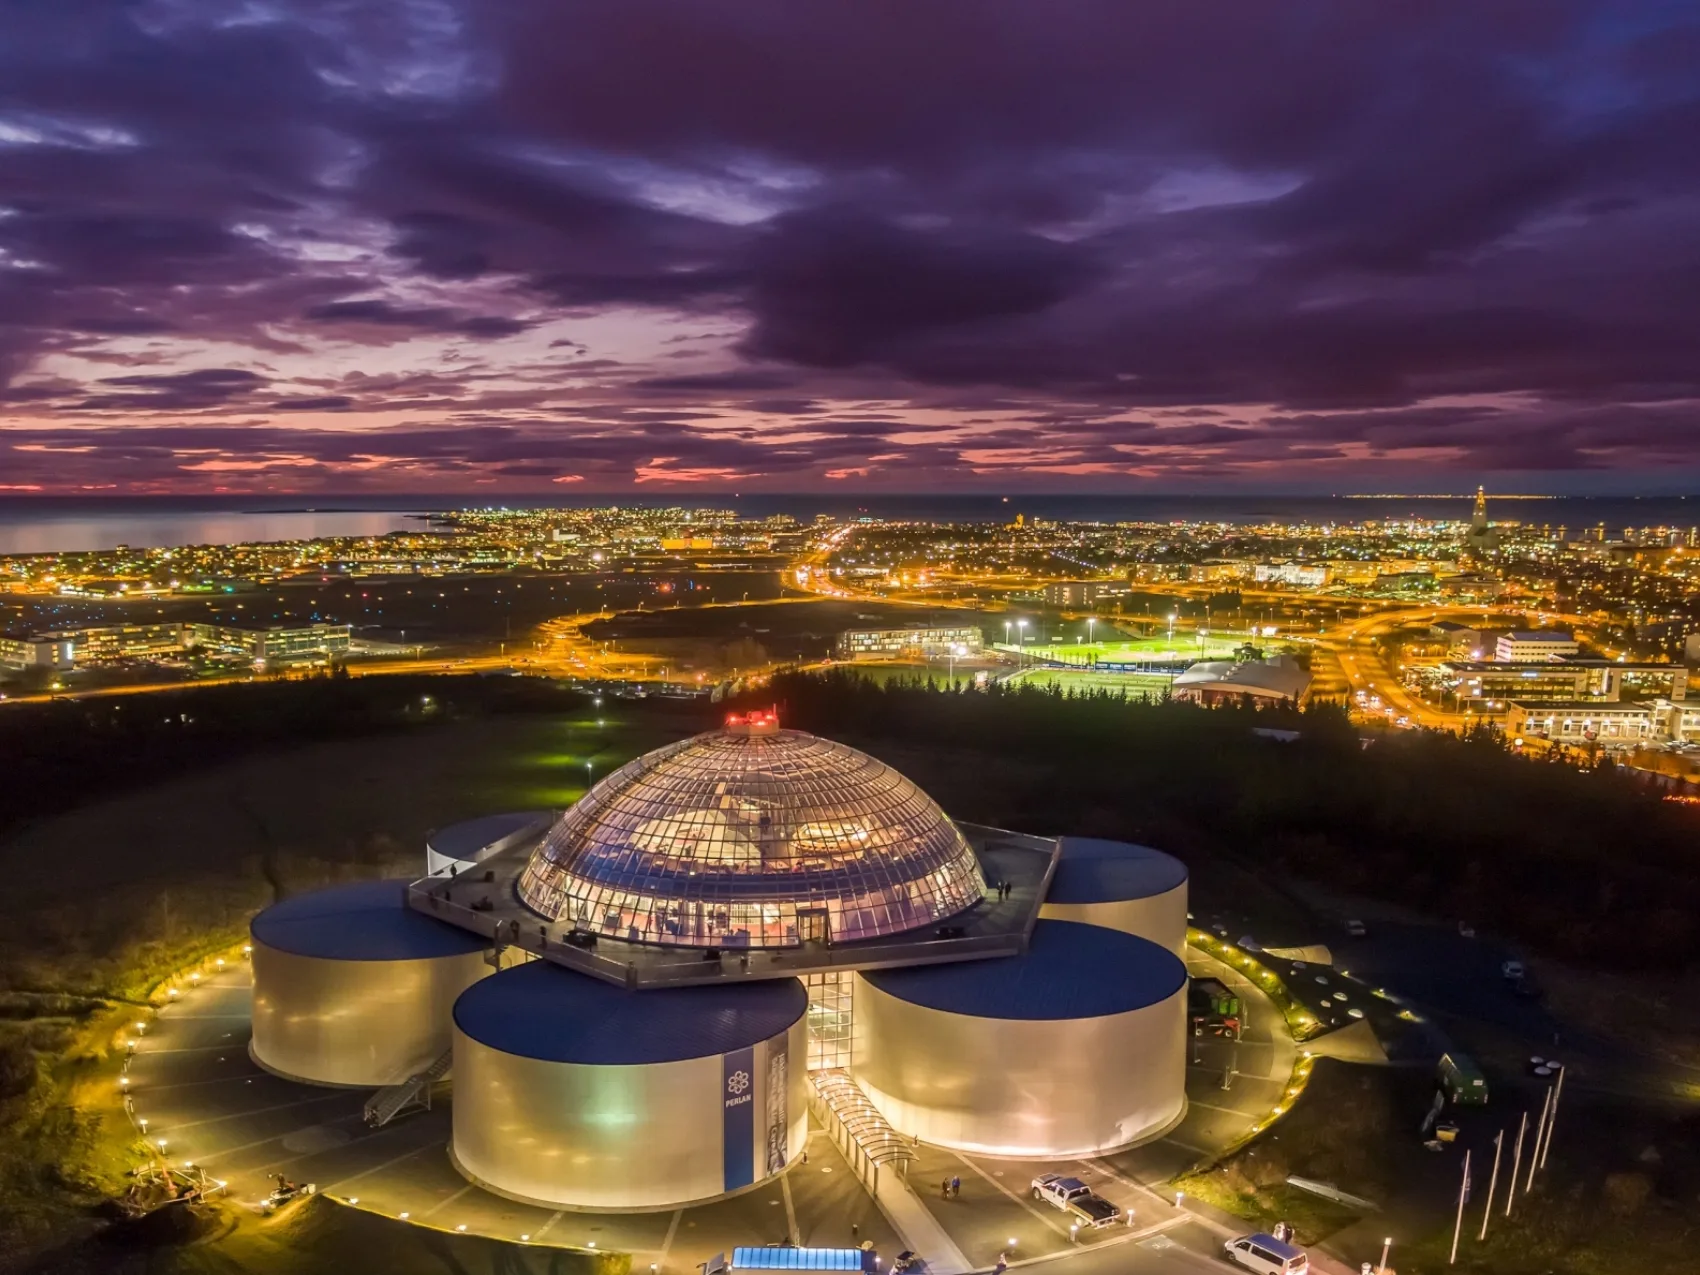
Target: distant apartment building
1472, 584
1157, 572
1218, 571
1534, 646
924, 643
1564, 679
1461, 639
1585, 721
1681, 721
1620, 680
1292, 574
1352, 571
270, 646
107, 643
1495, 680
35, 651
1082, 593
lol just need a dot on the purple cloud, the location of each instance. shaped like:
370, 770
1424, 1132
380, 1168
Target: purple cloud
950, 242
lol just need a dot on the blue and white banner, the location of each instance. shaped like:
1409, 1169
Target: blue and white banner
738, 1125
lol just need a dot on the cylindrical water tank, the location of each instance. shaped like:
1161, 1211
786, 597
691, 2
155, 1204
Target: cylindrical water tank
351, 987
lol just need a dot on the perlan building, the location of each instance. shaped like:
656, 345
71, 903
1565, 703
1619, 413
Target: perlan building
725, 934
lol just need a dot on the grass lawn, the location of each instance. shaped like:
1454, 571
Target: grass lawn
1133, 685
1183, 646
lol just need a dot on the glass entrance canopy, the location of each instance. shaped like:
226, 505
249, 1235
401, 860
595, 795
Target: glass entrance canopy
752, 836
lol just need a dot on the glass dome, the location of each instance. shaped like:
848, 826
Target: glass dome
752, 836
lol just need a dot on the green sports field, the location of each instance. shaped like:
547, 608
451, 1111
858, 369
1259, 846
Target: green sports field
1151, 650
1132, 685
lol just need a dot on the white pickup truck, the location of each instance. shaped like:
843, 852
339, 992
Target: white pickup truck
1073, 1196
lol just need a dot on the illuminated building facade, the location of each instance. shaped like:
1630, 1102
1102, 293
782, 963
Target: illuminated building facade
653, 990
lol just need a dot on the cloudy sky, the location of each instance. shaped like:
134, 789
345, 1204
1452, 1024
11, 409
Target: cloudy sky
902, 245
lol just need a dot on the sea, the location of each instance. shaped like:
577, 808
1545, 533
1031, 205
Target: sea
41, 524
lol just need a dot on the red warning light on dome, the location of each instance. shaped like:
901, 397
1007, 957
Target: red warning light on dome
755, 722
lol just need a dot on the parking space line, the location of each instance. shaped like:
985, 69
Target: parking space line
184, 1049
194, 1084
790, 1209
440, 1205
543, 1230
672, 1230
377, 1168
1022, 1200
279, 1137
260, 1111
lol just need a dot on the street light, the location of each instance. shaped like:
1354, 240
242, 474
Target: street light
1386, 1244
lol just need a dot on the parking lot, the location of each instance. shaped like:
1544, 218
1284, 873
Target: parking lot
192, 1082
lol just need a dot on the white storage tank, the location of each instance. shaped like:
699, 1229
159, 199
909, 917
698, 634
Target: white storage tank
462, 845
1120, 886
353, 988
576, 1093
1076, 1047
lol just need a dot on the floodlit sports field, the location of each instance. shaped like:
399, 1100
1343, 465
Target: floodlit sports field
1153, 650
1132, 685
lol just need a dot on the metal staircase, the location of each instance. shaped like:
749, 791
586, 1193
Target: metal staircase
392, 1100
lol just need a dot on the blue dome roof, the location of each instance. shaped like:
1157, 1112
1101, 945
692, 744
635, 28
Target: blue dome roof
1070, 970
539, 1010
1094, 871
366, 921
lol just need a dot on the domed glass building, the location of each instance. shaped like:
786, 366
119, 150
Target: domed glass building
752, 836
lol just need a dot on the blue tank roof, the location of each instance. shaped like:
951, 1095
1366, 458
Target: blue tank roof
365, 921
1070, 970
539, 1010
465, 839
1094, 871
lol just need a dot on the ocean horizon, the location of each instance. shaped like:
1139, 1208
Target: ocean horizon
69, 524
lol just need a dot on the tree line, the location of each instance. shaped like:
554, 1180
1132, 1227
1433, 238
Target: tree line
1580, 863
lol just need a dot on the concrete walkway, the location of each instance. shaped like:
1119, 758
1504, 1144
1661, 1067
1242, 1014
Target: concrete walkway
921, 1232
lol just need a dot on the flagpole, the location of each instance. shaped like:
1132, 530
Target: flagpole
1540, 1132
1516, 1159
1493, 1180
1556, 1094
1458, 1225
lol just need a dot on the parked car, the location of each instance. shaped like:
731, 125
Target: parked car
1511, 971
1266, 1255
1074, 1197
1355, 929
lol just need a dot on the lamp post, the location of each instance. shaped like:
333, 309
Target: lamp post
1172, 618
1386, 1245
1021, 633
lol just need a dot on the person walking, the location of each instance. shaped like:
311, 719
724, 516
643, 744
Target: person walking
955, 1186
1003, 1263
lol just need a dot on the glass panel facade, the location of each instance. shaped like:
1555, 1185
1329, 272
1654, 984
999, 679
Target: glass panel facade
736, 839
831, 1018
